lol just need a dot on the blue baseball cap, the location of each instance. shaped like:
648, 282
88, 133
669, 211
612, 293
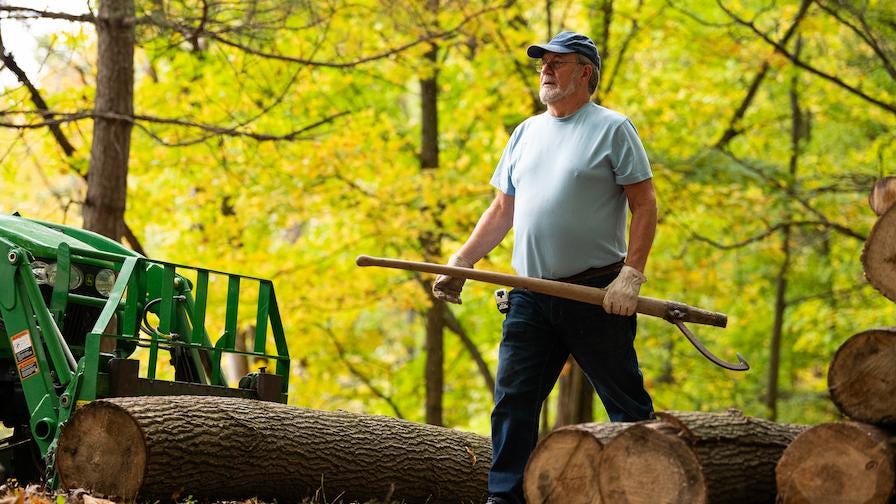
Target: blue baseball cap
567, 42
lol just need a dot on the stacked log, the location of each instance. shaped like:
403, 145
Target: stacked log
563, 467
695, 458
682, 457
855, 461
215, 448
883, 194
848, 462
879, 254
862, 377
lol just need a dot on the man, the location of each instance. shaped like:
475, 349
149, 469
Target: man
565, 181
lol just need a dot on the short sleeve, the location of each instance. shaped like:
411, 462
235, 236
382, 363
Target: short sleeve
502, 179
630, 163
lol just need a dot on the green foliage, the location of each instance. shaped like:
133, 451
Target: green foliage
300, 210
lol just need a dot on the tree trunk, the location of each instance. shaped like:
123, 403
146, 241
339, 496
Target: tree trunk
774, 360
430, 241
575, 398
798, 131
239, 363
435, 364
694, 458
838, 462
108, 172
862, 377
223, 448
563, 466
879, 255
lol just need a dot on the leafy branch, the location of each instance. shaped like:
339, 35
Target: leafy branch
366, 380
780, 49
733, 130
57, 118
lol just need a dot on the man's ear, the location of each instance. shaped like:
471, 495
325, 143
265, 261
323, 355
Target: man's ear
587, 75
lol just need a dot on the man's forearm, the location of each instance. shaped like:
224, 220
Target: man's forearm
641, 234
492, 227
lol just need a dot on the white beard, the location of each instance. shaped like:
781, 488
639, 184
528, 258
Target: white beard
555, 93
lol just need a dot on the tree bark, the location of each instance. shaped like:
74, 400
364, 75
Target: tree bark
150, 448
563, 466
798, 131
575, 398
239, 363
838, 462
695, 458
879, 255
431, 243
862, 377
774, 360
435, 364
108, 173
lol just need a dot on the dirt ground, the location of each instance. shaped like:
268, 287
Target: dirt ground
12, 493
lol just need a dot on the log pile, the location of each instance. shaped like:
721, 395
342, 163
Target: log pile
214, 448
682, 457
855, 460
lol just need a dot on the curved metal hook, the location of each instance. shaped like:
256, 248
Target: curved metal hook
741, 366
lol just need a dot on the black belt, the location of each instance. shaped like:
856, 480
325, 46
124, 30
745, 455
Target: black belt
590, 273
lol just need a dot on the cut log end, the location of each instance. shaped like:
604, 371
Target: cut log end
643, 464
563, 469
862, 376
883, 194
100, 436
851, 460
879, 256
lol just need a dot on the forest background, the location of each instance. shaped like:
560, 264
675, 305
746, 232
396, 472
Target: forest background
281, 139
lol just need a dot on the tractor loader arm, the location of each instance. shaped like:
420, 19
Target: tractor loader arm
83, 318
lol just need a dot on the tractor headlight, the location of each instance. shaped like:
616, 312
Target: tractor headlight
75, 279
104, 281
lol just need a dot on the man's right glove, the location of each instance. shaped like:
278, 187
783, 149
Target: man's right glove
622, 293
448, 288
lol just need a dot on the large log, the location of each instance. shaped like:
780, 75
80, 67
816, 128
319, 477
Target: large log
862, 377
846, 462
879, 255
224, 448
563, 466
695, 458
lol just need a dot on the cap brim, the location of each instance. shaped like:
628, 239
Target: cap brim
538, 50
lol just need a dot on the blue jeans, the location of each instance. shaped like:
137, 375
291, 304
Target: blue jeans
540, 332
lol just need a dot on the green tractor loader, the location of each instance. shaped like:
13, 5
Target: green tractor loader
84, 318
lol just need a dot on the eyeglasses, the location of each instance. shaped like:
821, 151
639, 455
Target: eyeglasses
553, 65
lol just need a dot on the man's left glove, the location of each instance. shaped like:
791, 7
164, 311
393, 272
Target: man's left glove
448, 288
622, 293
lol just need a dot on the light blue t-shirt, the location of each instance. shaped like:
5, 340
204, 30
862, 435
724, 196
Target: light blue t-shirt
566, 176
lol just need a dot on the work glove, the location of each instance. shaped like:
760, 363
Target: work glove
448, 288
622, 293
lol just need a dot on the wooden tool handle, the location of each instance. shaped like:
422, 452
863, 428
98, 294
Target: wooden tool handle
668, 310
